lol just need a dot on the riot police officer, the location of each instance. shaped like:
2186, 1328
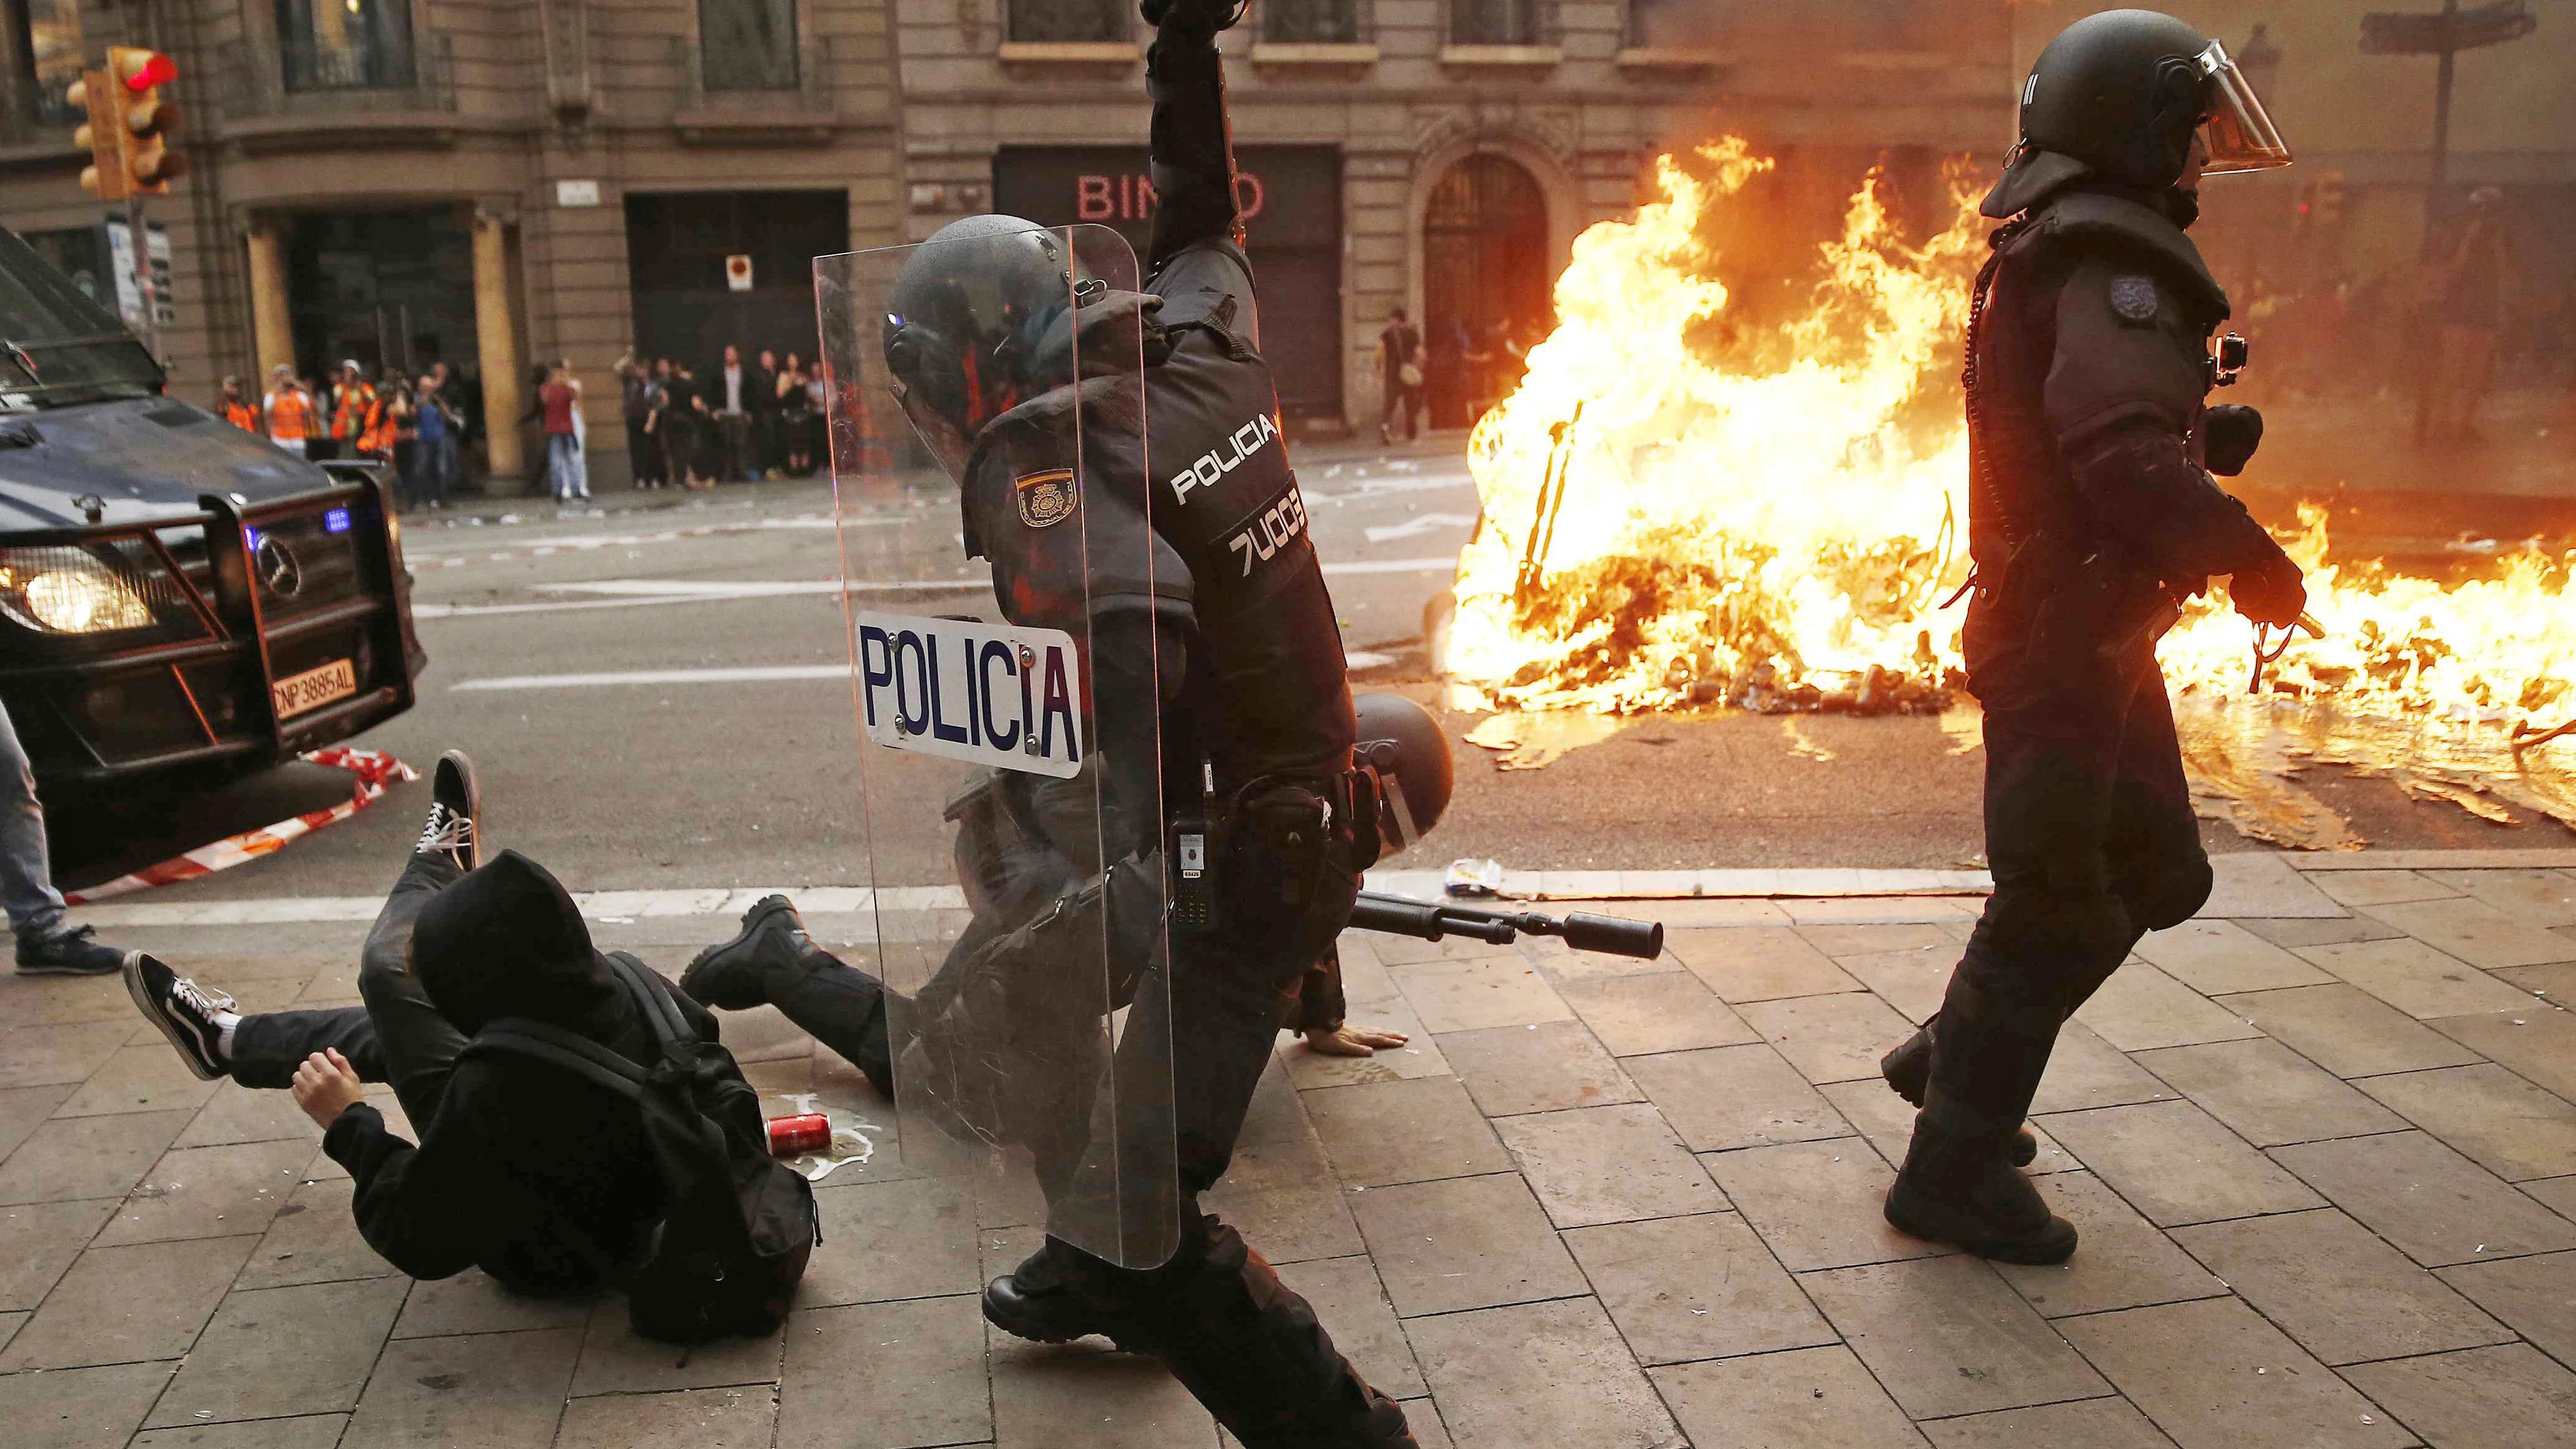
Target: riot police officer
2092, 514
1222, 635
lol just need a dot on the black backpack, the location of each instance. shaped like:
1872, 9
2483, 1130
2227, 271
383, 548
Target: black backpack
739, 1225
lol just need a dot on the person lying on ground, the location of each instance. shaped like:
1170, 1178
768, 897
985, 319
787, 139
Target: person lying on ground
541, 1179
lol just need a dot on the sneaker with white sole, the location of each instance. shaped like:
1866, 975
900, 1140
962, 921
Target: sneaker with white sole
191, 1016
455, 807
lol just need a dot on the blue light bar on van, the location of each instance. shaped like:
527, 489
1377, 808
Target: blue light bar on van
336, 521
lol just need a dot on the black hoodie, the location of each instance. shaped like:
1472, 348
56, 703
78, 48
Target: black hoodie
519, 1153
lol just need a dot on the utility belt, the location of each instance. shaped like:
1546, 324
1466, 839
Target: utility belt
1280, 850
2067, 608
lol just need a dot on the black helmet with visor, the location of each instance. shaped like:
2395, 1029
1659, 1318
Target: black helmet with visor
2121, 96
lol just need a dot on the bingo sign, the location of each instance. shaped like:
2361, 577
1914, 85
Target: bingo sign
988, 694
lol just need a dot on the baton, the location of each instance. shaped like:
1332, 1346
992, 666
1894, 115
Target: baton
1431, 920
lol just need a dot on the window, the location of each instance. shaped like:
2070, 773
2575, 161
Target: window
1073, 20
339, 45
1671, 25
747, 45
1496, 22
49, 56
1312, 22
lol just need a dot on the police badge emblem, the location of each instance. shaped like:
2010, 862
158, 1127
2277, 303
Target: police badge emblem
2134, 298
1045, 498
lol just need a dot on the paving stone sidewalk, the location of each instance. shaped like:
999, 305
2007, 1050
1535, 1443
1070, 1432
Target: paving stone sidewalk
2325, 1167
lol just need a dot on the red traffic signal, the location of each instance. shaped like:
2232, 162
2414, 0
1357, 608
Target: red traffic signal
149, 68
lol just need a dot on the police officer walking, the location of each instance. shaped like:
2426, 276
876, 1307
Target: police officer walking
1210, 641
2092, 514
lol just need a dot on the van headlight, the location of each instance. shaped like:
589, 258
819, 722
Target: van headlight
71, 593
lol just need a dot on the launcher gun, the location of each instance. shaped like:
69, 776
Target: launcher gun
1430, 920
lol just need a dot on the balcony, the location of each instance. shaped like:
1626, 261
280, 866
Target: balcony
268, 96
784, 99
1316, 35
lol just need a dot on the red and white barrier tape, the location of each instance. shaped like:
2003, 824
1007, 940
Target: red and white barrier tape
374, 770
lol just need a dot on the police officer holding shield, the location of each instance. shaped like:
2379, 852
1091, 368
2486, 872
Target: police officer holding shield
2091, 350
1218, 631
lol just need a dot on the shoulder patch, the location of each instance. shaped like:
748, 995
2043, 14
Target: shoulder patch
1045, 498
2134, 297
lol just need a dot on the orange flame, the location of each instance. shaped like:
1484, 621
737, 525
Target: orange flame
1662, 529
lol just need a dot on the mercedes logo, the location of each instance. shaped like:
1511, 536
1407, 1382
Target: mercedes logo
278, 569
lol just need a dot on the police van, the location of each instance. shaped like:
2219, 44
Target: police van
176, 594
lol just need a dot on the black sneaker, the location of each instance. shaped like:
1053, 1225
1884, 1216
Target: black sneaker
455, 804
67, 953
733, 976
188, 1014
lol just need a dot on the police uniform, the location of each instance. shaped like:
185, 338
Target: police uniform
1178, 553
2092, 515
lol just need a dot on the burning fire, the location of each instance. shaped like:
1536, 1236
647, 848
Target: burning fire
1661, 528
1775, 524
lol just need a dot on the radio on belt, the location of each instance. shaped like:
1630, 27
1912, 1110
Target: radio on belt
1193, 884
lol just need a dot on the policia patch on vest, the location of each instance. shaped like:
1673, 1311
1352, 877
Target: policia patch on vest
1045, 498
2134, 298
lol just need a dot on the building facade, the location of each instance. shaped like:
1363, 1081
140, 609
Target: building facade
495, 184
489, 184
1439, 155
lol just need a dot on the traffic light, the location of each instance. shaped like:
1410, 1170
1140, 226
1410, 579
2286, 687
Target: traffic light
2321, 200
131, 126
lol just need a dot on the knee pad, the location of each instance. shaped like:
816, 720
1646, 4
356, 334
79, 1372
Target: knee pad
2166, 897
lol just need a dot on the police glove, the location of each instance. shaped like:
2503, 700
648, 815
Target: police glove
2229, 434
2270, 592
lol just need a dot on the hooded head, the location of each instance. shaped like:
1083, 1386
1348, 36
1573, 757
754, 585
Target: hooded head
506, 940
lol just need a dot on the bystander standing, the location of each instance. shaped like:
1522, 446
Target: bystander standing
236, 408
1399, 370
732, 385
555, 401
289, 412
435, 427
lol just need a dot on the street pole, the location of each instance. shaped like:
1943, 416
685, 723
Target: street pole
141, 241
2441, 124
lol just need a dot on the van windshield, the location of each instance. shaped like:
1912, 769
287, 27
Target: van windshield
56, 345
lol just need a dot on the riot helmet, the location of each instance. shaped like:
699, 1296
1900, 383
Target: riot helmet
1403, 744
2121, 96
964, 319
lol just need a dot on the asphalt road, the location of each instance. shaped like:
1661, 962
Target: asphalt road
668, 767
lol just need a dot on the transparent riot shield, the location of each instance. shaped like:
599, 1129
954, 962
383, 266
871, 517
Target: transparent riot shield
986, 396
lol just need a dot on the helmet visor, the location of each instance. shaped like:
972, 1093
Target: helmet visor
2239, 133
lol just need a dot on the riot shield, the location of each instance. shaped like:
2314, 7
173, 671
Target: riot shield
986, 396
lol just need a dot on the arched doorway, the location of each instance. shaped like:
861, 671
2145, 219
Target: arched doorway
1485, 283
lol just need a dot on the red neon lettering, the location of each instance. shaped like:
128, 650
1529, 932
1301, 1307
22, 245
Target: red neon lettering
1091, 198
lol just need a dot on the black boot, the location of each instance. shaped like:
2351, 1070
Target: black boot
1250, 1350
773, 962
1957, 1187
1060, 1293
1908, 1071
735, 975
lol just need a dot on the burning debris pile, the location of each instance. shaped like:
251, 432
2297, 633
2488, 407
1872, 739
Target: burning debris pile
1662, 530
1672, 524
